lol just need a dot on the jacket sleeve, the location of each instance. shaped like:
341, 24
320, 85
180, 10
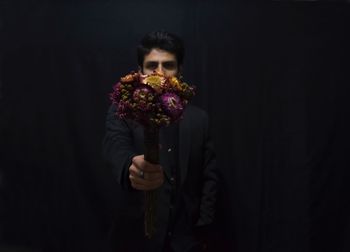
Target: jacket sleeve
210, 180
117, 148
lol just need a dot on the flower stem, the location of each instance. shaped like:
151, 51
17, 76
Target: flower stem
151, 141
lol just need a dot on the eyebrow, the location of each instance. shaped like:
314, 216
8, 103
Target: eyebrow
163, 62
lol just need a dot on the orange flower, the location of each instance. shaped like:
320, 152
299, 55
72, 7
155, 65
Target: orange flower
128, 78
155, 81
175, 83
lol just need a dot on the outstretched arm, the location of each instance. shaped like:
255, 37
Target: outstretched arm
130, 170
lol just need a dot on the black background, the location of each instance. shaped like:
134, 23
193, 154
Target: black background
274, 78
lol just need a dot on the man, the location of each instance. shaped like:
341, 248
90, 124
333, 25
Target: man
186, 179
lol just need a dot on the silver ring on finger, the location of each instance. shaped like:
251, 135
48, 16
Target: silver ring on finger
141, 174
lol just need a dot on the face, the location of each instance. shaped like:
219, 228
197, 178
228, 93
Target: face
161, 61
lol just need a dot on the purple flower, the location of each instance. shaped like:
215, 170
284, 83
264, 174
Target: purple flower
116, 94
123, 109
172, 105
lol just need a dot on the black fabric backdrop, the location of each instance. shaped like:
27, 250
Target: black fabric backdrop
274, 79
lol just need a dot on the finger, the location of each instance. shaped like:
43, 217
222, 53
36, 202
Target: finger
151, 183
149, 167
134, 170
144, 165
151, 176
138, 160
146, 183
142, 186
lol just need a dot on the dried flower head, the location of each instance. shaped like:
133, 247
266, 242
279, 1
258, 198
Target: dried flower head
155, 81
172, 104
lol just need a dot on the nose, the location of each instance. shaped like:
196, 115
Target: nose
160, 69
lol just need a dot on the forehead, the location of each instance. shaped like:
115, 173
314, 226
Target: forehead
159, 55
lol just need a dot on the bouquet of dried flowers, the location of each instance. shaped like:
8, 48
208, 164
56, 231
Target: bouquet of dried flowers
153, 101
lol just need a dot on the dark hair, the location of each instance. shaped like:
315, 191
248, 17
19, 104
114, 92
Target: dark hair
163, 40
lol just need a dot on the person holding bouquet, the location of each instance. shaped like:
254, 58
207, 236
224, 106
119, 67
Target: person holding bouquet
185, 180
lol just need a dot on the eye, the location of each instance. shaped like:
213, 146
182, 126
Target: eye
170, 65
151, 65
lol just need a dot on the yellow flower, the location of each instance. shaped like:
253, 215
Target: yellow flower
155, 81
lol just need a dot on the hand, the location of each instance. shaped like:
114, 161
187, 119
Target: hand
144, 175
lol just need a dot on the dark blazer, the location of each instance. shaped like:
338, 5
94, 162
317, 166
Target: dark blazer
197, 188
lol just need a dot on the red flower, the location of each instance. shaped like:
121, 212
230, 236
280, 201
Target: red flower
172, 105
